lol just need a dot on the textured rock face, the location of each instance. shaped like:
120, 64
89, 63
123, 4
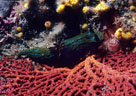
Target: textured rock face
89, 78
5, 6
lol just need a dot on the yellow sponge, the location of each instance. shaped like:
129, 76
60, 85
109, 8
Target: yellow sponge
18, 28
84, 26
102, 6
20, 34
60, 8
132, 7
127, 35
118, 33
74, 2
26, 5
134, 18
85, 9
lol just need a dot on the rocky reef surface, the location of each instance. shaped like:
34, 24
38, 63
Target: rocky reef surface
27, 24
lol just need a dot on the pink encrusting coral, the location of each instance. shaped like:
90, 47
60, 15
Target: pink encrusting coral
89, 78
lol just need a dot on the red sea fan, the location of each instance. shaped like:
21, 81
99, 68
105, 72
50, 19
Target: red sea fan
24, 78
91, 78
120, 61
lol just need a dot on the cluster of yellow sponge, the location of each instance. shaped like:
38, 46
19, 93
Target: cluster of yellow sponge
70, 3
19, 29
121, 34
73, 3
101, 7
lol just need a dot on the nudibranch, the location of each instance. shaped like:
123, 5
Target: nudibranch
67, 49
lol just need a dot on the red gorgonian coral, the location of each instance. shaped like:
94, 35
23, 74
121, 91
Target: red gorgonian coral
120, 61
24, 78
89, 78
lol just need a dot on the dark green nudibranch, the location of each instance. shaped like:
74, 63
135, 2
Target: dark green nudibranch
82, 40
74, 47
46, 54
80, 45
